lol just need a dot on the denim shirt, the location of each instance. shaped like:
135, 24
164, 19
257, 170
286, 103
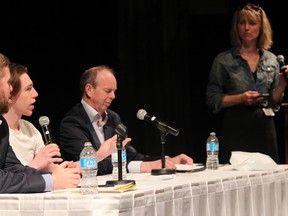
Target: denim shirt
230, 74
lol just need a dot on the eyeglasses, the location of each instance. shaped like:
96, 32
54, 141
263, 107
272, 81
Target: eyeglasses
250, 7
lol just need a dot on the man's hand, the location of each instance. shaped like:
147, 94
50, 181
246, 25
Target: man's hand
65, 177
108, 146
147, 166
47, 156
181, 159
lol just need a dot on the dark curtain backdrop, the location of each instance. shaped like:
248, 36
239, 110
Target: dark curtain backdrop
165, 51
163, 57
162, 52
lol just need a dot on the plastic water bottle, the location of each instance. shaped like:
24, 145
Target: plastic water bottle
89, 168
212, 148
115, 164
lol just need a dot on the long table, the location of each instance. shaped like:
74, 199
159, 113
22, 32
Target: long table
223, 192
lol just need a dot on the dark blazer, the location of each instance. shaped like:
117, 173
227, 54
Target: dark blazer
14, 177
76, 129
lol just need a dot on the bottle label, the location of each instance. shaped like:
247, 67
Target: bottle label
88, 163
115, 156
212, 147
123, 156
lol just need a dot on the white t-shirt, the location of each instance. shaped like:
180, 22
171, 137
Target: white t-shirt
26, 142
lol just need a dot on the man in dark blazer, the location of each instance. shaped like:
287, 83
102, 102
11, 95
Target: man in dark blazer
19, 179
92, 121
14, 177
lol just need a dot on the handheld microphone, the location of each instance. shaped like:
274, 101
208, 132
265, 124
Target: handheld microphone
44, 122
143, 115
280, 59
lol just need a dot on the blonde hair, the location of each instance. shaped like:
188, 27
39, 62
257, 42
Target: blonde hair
4, 62
257, 14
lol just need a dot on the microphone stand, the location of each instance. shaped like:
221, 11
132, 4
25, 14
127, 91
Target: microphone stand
163, 170
120, 137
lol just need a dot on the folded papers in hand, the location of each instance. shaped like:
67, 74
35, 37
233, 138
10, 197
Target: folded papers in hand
248, 161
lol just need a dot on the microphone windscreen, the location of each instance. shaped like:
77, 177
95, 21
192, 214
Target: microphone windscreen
44, 120
141, 114
280, 58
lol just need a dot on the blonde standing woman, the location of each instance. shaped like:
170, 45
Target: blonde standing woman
246, 87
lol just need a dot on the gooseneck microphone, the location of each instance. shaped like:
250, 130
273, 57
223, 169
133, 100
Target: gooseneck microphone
44, 122
280, 59
143, 115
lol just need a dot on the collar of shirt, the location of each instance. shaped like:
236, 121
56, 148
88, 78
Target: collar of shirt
93, 114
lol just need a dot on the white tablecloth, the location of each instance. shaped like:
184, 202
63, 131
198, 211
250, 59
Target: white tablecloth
224, 192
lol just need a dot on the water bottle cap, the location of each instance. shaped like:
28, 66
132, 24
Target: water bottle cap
212, 133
